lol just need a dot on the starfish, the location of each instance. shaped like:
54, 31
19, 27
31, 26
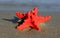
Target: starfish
31, 19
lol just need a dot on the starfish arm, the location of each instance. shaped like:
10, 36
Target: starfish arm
19, 15
46, 18
34, 11
22, 26
25, 24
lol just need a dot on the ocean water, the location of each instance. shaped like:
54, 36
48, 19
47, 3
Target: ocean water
24, 5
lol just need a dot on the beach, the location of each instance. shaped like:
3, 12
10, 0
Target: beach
8, 30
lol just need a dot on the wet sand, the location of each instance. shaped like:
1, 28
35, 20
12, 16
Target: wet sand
7, 27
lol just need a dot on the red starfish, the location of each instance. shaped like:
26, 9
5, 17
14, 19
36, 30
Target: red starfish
31, 19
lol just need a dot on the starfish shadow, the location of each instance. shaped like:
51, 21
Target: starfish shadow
13, 20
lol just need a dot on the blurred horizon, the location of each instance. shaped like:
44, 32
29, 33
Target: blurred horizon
24, 5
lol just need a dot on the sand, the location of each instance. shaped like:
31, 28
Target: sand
7, 27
